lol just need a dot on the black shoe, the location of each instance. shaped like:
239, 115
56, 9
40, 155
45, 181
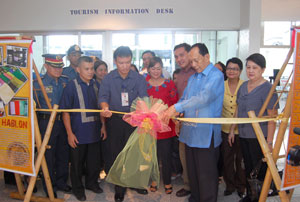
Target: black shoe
80, 197
227, 193
66, 189
245, 199
182, 192
140, 191
95, 189
241, 194
119, 197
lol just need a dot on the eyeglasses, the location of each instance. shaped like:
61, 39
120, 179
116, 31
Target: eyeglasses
76, 54
232, 69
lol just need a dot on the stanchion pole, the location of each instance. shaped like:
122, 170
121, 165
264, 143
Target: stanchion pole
277, 146
268, 156
41, 156
272, 90
20, 185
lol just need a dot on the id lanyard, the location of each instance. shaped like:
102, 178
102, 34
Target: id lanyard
124, 96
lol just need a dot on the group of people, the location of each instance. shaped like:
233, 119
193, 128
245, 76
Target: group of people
91, 141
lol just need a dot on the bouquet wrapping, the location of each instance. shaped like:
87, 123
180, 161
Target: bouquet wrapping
137, 163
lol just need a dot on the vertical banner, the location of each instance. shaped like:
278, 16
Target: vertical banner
16, 106
291, 177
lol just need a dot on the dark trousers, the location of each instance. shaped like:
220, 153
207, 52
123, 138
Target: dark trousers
88, 155
252, 154
233, 172
164, 155
118, 132
220, 163
176, 164
57, 157
203, 173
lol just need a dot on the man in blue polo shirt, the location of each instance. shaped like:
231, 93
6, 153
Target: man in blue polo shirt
202, 98
117, 91
83, 128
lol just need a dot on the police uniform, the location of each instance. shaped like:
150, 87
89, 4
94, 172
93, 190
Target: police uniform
70, 71
57, 156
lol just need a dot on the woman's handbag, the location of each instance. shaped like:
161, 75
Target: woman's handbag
254, 183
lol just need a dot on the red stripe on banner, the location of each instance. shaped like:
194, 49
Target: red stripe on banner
293, 38
17, 107
30, 47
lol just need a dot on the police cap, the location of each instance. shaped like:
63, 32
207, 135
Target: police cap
55, 60
74, 48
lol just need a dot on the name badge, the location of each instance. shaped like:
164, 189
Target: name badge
49, 89
124, 97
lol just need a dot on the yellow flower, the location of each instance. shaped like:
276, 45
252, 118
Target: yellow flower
147, 125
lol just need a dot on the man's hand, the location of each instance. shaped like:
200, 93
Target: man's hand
231, 139
270, 145
171, 111
177, 127
72, 140
106, 113
103, 132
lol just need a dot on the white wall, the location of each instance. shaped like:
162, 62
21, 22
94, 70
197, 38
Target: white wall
280, 10
55, 15
250, 33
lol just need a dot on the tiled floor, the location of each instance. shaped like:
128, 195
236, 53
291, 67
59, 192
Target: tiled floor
132, 196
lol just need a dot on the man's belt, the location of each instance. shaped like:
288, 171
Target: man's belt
118, 115
47, 116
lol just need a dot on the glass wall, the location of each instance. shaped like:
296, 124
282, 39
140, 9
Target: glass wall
38, 51
221, 44
160, 44
276, 42
91, 45
275, 46
227, 46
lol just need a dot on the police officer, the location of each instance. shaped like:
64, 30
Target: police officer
73, 54
57, 156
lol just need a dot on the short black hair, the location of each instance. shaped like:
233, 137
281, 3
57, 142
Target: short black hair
235, 61
85, 59
122, 51
134, 66
154, 61
222, 65
176, 71
202, 48
187, 47
258, 59
148, 51
98, 63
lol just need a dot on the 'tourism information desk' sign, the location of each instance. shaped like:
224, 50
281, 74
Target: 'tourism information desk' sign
291, 177
16, 107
